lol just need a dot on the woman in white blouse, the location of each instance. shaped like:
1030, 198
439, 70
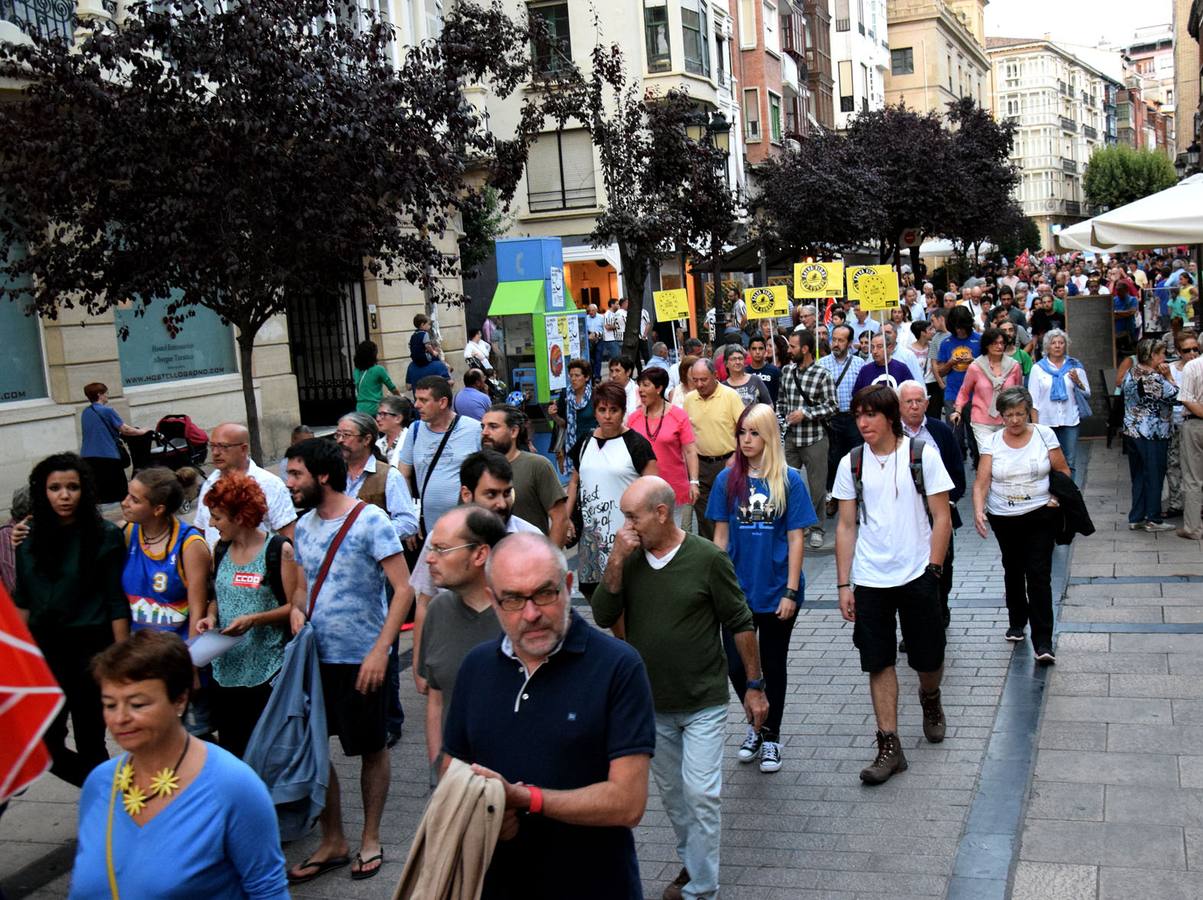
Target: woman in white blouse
1054, 382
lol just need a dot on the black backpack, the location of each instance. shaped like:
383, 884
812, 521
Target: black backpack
275, 557
915, 465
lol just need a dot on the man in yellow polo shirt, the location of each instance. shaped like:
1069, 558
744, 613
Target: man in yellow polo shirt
713, 410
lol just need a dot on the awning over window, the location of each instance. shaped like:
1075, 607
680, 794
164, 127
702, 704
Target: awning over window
516, 298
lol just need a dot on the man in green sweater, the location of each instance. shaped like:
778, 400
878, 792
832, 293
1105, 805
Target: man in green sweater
668, 593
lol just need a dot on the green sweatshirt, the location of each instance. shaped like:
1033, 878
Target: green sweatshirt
673, 617
74, 596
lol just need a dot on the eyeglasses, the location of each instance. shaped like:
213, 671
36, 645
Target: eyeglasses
225, 447
384, 413
545, 596
342, 435
443, 551
1188, 349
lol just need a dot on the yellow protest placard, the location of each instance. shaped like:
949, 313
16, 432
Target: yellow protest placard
815, 280
671, 305
767, 302
853, 276
878, 288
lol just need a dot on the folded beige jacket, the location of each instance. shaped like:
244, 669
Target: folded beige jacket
455, 839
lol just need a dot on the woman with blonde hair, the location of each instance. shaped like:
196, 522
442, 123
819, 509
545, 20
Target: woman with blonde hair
761, 510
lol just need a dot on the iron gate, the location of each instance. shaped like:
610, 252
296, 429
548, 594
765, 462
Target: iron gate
322, 335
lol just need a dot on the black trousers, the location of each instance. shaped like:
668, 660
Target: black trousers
946, 578
1027, 542
708, 469
772, 636
236, 712
69, 653
843, 436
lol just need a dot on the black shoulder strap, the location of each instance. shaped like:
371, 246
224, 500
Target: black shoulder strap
273, 563
857, 459
844, 371
916, 467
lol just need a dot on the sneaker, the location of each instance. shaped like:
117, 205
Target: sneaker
1044, 655
889, 760
833, 508
1135, 526
770, 756
816, 540
1154, 527
674, 890
1015, 635
933, 715
1189, 535
750, 748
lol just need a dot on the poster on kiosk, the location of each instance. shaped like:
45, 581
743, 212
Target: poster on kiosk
543, 327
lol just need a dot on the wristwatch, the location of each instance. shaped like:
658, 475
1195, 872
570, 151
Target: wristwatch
938, 571
754, 684
789, 594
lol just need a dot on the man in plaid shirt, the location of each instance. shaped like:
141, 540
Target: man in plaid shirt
805, 402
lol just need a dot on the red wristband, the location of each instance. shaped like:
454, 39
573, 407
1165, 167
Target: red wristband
536, 800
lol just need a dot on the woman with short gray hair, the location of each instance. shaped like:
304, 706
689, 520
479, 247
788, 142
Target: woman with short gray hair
1149, 393
1011, 496
1056, 382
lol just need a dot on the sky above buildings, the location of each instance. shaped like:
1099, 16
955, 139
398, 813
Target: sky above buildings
1075, 21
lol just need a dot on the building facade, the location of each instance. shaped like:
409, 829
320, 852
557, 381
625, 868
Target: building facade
1150, 60
774, 91
937, 54
302, 370
1186, 79
1058, 104
860, 56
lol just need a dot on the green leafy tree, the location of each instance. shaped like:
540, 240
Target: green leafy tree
664, 191
981, 175
1118, 175
242, 159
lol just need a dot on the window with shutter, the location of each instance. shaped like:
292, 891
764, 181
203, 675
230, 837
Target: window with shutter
559, 172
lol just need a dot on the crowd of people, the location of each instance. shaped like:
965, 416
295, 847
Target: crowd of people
694, 489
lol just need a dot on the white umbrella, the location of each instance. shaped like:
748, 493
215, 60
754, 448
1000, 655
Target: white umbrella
1165, 219
1078, 237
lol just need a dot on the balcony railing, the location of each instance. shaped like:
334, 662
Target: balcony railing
45, 18
1073, 208
843, 24
1069, 125
1090, 132
1069, 165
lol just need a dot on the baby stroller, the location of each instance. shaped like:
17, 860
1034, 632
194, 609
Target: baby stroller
175, 442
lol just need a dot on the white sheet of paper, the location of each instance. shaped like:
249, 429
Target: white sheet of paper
209, 645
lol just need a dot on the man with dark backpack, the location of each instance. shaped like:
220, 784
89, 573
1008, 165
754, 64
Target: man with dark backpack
890, 543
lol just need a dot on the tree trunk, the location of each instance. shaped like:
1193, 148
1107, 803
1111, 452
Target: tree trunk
246, 350
634, 276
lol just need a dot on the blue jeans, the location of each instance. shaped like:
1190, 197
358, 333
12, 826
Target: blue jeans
1147, 459
1067, 437
688, 767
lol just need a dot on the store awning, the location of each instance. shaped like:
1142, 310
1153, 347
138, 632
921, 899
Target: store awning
517, 298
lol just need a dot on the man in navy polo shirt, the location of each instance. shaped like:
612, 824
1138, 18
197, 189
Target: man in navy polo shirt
563, 715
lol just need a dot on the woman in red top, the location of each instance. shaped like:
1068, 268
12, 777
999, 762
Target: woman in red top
667, 429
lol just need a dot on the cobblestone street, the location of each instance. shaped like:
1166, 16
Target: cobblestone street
1110, 811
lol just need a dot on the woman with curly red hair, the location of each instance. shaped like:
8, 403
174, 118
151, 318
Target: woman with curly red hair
254, 575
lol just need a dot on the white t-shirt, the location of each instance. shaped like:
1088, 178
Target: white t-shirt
280, 511
1019, 477
478, 350
893, 543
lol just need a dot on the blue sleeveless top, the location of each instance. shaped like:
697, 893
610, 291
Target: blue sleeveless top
155, 585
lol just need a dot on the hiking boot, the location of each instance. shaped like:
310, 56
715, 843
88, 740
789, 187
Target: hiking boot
673, 891
890, 759
833, 507
750, 748
1015, 635
770, 756
933, 715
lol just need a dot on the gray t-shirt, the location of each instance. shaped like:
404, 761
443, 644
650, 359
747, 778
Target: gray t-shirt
442, 492
450, 630
537, 489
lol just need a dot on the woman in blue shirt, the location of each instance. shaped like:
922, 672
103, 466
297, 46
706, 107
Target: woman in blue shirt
761, 510
101, 428
172, 816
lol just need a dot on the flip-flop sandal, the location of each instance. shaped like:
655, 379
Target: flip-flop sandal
362, 874
323, 866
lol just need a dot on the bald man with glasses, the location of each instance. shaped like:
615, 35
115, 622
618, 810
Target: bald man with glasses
230, 451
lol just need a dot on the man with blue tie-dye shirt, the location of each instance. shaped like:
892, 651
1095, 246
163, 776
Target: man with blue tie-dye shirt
355, 628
